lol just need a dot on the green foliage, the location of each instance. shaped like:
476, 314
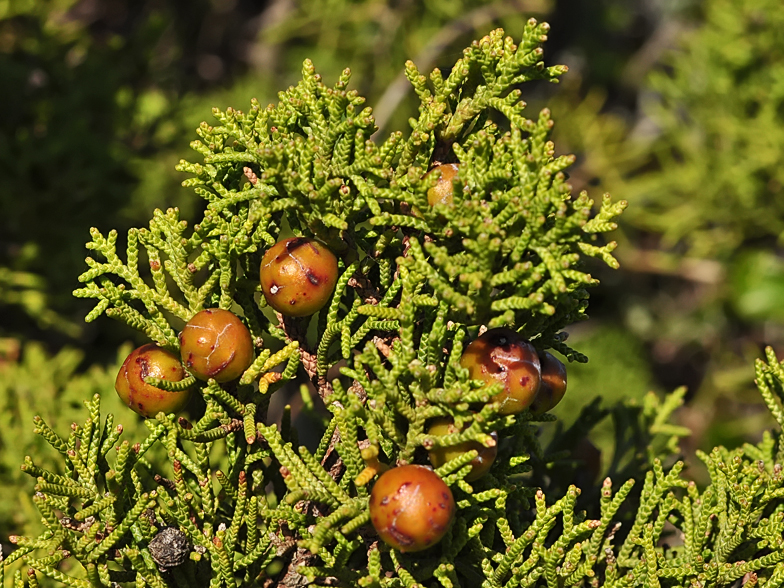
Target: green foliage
308, 164
756, 281
64, 132
616, 370
383, 357
721, 141
42, 388
107, 97
375, 39
700, 160
27, 291
677, 535
706, 157
316, 163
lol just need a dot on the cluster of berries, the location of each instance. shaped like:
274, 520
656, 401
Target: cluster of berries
411, 508
298, 276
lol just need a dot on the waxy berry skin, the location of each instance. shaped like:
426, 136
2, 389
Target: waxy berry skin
501, 355
150, 361
443, 191
298, 276
480, 465
216, 344
553, 387
411, 508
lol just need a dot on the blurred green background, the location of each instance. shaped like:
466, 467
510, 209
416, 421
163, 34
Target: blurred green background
674, 105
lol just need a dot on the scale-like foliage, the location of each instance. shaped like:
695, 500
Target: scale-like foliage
416, 283
107, 506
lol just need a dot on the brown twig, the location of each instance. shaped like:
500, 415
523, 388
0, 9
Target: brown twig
384, 347
233, 426
296, 330
365, 288
251, 175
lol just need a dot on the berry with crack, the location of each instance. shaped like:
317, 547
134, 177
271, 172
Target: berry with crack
216, 344
298, 276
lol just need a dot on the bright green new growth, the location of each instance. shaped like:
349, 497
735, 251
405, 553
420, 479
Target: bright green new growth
416, 281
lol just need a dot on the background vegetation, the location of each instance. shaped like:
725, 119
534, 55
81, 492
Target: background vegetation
676, 106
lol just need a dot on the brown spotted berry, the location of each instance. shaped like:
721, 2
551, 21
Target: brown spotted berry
216, 344
298, 276
411, 508
501, 355
145, 399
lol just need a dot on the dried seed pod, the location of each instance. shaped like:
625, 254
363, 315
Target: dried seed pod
501, 355
170, 548
147, 400
298, 276
216, 344
411, 508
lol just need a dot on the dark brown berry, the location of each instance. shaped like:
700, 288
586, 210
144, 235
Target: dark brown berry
480, 465
298, 276
553, 387
216, 344
501, 355
145, 399
411, 508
